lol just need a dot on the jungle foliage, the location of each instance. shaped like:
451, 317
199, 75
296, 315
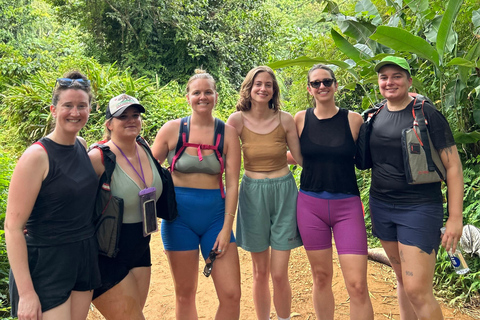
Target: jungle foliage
149, 48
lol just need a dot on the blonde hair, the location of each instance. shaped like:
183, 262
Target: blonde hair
201, 74
244, 101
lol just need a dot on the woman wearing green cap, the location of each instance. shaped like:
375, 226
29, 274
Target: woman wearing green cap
407, 217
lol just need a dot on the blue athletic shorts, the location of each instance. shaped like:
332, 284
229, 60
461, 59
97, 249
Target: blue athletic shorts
415, 225
201, 213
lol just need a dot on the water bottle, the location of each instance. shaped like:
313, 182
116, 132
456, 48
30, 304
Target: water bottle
456, 258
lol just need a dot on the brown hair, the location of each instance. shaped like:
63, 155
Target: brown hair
201, 74
244, 101
310, 98
76, 86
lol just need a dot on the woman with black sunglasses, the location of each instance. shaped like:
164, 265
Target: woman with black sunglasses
54, 263
329, 199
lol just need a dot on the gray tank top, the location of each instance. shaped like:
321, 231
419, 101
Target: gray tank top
124, 187
187, 163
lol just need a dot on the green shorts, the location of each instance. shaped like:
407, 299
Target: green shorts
267, 214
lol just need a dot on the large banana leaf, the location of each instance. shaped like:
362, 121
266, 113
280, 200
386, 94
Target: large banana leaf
345, 46
465, 138
401, 40
445, 27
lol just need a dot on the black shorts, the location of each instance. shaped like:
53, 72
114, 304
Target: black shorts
134, 252
56, 271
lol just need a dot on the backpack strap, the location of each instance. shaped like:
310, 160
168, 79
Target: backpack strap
109, 160
183, 134
420, 121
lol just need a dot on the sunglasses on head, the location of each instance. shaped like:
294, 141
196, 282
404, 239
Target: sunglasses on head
208, 267
326, 82
67, 82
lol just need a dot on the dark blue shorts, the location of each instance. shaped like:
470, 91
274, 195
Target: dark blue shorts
201, 213
415, 225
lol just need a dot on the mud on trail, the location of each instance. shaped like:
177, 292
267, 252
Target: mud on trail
381, 284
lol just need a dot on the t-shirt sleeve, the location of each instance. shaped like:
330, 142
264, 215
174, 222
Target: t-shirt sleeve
438, 127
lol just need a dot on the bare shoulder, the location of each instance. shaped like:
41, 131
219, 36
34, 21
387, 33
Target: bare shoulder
34, 161
82, 141
235, 118
300, 115
286, 116
230, 131
355, 118
96, 156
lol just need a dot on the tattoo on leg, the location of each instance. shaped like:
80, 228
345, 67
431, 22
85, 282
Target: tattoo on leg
409, 273
394, 260
401, 256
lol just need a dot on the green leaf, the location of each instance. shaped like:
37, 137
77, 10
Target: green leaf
445, 27
476, 116
472, 55
417, 6
351, 27
476, 18
368, 6
402, 40
346, 47
461, 62
306, 62
465, 138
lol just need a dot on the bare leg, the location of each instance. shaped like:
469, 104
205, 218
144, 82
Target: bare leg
322, 271
126, 299
184, 269
406, 308
261, 278
282, 292
226, 277
354, 269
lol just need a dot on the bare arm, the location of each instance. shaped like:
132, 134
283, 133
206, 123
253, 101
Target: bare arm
232, 172
235, 120
454, 225
95, 156
355, 121
165, 140
31, 170
292, 137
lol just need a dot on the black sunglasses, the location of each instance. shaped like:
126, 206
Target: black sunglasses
326, 82
67, 82
208, 267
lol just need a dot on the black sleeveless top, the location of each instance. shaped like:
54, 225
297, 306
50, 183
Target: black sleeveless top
328, 150
64, 207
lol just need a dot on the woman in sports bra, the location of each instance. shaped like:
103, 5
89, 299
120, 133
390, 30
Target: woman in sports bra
329, 200
199, 148
268, 193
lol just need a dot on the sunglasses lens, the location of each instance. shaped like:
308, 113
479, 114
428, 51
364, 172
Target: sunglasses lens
207, 270
327, 82
316, 84
67, 82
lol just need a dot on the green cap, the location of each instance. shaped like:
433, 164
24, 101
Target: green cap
401, 62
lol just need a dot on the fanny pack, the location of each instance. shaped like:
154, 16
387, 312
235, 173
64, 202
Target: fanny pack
422, 161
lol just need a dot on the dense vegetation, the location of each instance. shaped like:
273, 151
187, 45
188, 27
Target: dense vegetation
148, 48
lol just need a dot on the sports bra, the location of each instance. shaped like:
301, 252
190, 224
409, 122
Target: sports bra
187, 163
264, 152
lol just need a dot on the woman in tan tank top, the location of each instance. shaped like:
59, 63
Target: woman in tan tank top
268, 193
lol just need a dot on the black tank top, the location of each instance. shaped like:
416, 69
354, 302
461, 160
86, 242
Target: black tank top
64, 207
328, 150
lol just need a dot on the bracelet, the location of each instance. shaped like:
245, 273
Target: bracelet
229, 214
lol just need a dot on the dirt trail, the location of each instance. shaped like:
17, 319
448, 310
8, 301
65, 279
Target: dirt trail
381, 282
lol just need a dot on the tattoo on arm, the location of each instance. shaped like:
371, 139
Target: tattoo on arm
448, 151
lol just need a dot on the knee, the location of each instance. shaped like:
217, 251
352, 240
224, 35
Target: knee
260, 274
185, 294
357, 289
417, 293
230, 297
280, 279
321, 279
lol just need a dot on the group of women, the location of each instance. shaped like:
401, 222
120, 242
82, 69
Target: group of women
50, 235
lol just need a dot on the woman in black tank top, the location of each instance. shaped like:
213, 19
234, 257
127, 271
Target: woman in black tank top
329, 200
52, 193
